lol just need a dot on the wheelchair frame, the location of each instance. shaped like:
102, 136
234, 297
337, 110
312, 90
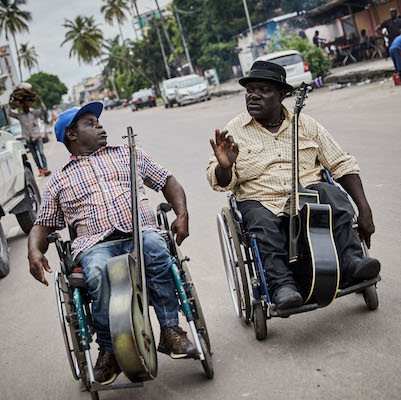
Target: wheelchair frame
246, 277
73, 305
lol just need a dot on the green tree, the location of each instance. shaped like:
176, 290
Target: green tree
86, 38
115, 9
28, 56
314, 56
14, 20
48, 87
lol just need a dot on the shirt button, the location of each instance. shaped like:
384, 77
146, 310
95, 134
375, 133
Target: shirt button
279, 155
249, 151
279, 166
276, 138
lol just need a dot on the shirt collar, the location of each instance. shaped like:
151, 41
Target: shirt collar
247, 119
77, 158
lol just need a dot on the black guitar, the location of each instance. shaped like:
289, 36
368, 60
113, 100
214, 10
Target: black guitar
131, 331
312, 252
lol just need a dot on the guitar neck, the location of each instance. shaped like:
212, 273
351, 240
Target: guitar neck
294, 206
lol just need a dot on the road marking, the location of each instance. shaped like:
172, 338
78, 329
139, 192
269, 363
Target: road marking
14, 231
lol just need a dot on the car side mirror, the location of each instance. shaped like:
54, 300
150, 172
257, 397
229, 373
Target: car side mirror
3, 117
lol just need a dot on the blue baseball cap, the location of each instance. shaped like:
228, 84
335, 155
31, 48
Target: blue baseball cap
67, 117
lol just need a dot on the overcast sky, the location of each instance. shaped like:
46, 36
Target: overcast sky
47, 33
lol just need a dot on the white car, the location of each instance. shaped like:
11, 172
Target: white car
191, 89
167, 89
19, 193
296, 68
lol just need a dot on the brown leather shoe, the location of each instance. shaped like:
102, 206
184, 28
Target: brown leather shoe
46, 172
107, 368
174, 342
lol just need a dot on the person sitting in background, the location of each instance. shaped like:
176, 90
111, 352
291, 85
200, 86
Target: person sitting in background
31, 132
317, 40
364, 44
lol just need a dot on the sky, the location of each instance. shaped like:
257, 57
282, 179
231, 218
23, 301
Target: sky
46, 33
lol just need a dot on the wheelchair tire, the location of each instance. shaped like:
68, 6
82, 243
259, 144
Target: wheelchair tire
76, 358
246, 308
207, 363
200, 322
370, 297
259, 321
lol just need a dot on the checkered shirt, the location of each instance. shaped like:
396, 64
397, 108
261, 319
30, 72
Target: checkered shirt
92, 194
263, 168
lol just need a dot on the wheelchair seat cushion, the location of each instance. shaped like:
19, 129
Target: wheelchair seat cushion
76, 278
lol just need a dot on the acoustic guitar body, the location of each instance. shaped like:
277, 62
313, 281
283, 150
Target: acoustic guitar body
131, 331
317, 270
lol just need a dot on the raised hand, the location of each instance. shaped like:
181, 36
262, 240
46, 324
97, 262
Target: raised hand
225, 150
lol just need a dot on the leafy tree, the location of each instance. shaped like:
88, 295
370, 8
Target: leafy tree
86, 38
115, 9
48, 87
289, 6
13, 20
314, 56
28, 56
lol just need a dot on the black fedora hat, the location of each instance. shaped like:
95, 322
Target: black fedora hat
267, 71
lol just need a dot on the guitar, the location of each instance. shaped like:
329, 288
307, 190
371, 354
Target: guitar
312, 252
130, 327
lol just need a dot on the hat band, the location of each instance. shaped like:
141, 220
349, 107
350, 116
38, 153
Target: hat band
265, 75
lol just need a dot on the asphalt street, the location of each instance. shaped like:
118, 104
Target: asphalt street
341, 352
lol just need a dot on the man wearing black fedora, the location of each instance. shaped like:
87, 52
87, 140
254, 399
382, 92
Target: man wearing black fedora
252, 158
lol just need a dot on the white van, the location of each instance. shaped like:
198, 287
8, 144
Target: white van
191, 89
296, 68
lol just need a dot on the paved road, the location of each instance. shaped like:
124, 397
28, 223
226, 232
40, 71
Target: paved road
343, 351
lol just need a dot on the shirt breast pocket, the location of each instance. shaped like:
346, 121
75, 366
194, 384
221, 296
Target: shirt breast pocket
307, 150
251, 162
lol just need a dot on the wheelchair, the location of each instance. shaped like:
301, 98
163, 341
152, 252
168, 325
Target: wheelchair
74, 310
246, 277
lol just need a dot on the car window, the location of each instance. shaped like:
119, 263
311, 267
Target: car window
169, 85
190, 82
287, 60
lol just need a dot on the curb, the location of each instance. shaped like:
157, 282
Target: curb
359, 76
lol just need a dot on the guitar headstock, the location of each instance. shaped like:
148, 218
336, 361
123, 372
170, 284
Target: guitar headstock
302, 95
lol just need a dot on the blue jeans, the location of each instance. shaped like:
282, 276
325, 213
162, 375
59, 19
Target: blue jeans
158, 274
395, 54
36, 147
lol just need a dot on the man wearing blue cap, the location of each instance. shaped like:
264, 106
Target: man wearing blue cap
255, 162
91, 194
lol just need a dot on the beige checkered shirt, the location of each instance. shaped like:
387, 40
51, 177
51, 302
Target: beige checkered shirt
263, 168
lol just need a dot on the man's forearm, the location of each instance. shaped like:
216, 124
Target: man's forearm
223, 175
353, 185
175, 195
37, 240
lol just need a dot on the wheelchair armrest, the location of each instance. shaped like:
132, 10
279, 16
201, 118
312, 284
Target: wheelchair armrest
165, 207
162, 210
236, 213
53, 237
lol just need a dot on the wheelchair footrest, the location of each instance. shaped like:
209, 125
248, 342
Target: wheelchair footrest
274, 312
358, 287
97, 387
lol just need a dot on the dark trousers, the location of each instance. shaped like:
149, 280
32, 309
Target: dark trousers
272, 234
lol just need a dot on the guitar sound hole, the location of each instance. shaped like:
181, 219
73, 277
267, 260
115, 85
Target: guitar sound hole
138, 297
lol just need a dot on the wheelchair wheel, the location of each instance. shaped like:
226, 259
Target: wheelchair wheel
259, 321
207, 363
370, 297
66, 313
200, 322
229, 264
242, 278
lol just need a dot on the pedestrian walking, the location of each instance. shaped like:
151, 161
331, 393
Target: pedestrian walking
30, 131
392, 24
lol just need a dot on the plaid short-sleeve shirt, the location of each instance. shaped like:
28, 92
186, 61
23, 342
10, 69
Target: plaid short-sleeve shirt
92, 194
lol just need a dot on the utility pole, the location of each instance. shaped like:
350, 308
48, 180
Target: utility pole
166, 33
139, 19
163, 53
113, 83
183, 40
253, 45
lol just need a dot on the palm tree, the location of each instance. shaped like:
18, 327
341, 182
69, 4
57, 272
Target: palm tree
86, 37
28, 56
13, 20
114, 9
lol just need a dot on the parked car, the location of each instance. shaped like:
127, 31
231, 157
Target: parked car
143, 98
110, 104
296, 68
191, 89
167, 89
19, 193
15, 129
